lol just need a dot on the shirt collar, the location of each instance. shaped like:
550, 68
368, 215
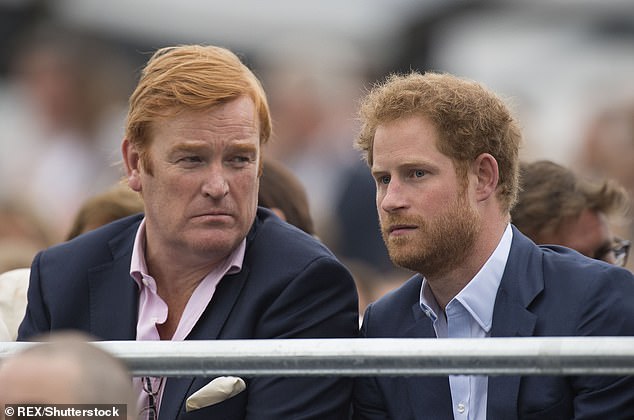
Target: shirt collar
138, 266
478, 296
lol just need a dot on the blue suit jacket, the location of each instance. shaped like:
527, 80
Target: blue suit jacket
290, 286
545, 291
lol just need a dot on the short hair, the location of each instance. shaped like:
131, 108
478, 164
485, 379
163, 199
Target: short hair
470, 120
550, 194
190, 77
113, 204
280, 188
103, 378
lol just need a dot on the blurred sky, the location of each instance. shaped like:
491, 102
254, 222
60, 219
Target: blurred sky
557, 61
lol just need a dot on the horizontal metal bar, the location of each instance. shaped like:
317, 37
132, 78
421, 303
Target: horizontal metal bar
373, 356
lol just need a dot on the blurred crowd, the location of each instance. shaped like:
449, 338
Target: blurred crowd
63, 97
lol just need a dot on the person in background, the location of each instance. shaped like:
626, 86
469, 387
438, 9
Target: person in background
607, 151
359, 236
283, 193
203, 262
66, 112
555, 206
13, 287
443, 152
66, 369
115, 203
22, 234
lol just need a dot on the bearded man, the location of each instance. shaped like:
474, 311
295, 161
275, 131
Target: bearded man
444, 154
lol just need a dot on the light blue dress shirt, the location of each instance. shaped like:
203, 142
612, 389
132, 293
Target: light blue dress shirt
469, 315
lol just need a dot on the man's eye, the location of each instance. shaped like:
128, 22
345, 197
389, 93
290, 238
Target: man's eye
190, 159
240, 161
419, 173
384, 179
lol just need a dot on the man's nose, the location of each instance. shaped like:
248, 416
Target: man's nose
215, 185
393, 197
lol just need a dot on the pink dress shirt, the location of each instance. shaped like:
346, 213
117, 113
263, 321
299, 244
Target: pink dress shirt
153, 310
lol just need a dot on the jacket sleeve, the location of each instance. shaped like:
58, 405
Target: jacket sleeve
609, 312
320, 302
36, 319
368, 402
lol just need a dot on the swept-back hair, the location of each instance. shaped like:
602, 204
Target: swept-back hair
470, 120
190, 77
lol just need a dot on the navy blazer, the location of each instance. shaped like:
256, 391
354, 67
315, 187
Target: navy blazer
545, 291
290, 286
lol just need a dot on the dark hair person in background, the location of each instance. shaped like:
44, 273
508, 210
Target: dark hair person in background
556, 206
282, 192
444, 154
115, 203
203, 262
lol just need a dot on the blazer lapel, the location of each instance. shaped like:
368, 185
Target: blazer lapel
113, 293
509, 320
212, 320
521, 283
175, 395
429, 396
210, 324
208, 327
113, 302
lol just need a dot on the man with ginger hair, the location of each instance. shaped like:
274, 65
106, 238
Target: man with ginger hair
444, 154
204, 262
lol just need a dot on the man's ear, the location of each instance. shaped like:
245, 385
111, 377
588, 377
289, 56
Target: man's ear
132, 162
485, 168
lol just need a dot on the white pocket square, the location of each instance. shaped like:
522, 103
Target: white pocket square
220, 389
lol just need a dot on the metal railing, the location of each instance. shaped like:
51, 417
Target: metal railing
370, 357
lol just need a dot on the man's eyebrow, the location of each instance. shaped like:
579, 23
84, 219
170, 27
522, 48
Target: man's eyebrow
375, 171
188, 148
416, 164
243, 147
406, 164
